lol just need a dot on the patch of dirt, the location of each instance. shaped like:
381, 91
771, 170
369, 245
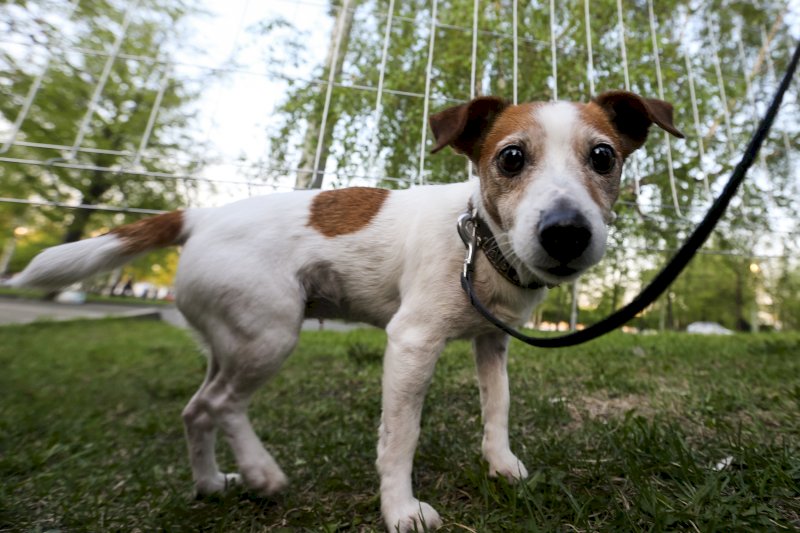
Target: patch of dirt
603, 406
755, 417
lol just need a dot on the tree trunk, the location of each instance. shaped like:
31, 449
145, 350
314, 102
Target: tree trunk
741, 322
306, 177
573, 313
98, 187
77, 226
8, 252
670, 315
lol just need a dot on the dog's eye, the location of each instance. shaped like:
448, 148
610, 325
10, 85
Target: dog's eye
602, 158
510, 160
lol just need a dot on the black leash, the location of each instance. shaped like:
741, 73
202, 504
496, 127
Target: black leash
670, 271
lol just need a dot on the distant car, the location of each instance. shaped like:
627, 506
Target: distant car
71, 296
708, 328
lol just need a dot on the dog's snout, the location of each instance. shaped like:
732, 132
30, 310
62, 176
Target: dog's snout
564, 233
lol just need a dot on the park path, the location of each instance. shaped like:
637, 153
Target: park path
24, 311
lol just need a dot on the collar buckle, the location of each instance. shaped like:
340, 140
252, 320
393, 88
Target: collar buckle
476, 235
469, 234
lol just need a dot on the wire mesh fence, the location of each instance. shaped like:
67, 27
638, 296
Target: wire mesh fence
139, 107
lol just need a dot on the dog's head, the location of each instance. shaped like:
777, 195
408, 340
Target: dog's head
550, 172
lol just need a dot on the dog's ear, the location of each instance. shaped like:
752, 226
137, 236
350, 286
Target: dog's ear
464, 126
631, 115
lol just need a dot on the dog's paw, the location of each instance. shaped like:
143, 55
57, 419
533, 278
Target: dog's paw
216, 485
412, 516
265, 481
507, 465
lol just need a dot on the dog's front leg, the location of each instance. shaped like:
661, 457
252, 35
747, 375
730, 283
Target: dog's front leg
410, 359
491, 356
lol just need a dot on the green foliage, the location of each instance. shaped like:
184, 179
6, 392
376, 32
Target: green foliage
622, 434
784, 294
717, 289
115, 130
391, 148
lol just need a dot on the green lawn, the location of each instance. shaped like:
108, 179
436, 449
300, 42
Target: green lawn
622, 434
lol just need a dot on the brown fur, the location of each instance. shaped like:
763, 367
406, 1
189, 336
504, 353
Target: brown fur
344, 211
604, 189
597, 118
151, 233
514, 119
496, 188
464, 126
477, 127
632, 116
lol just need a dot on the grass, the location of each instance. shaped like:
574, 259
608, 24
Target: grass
622, 434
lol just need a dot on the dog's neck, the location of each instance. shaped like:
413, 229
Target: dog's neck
496, 247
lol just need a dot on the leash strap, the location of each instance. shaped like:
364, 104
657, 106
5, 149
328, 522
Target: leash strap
676, 264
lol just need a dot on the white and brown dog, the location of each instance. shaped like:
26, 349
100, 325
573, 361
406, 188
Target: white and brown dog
252, 270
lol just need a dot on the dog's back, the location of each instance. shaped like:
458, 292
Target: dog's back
345, 250
344, 253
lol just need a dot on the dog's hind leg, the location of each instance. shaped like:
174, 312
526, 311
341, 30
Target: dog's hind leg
248, 346
491, 356
246, 361
201, 437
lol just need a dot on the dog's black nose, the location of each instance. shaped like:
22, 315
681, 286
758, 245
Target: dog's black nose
564, 233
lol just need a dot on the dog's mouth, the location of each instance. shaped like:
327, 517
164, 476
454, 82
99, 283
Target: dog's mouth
561, 271
558, 273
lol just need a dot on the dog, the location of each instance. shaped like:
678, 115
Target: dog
251, 271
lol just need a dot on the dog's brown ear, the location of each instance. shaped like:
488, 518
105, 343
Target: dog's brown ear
464, 126
632, 115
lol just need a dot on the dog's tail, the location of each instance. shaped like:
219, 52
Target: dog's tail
63, 265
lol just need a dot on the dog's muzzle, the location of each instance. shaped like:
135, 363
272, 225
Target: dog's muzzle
564, 233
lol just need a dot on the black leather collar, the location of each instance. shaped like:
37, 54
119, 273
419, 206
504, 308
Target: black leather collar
487, 243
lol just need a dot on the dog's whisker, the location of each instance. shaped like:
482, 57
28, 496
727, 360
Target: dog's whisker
502, 243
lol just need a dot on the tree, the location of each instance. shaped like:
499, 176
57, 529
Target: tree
697, 34
81, 67
308, 175
785, 286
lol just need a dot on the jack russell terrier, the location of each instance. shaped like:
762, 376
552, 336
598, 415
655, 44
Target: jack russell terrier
250, 272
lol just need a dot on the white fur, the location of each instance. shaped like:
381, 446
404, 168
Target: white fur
556, 180
63, 265
237, 283
243, 280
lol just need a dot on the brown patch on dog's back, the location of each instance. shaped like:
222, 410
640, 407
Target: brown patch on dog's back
344, 211
151, 233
